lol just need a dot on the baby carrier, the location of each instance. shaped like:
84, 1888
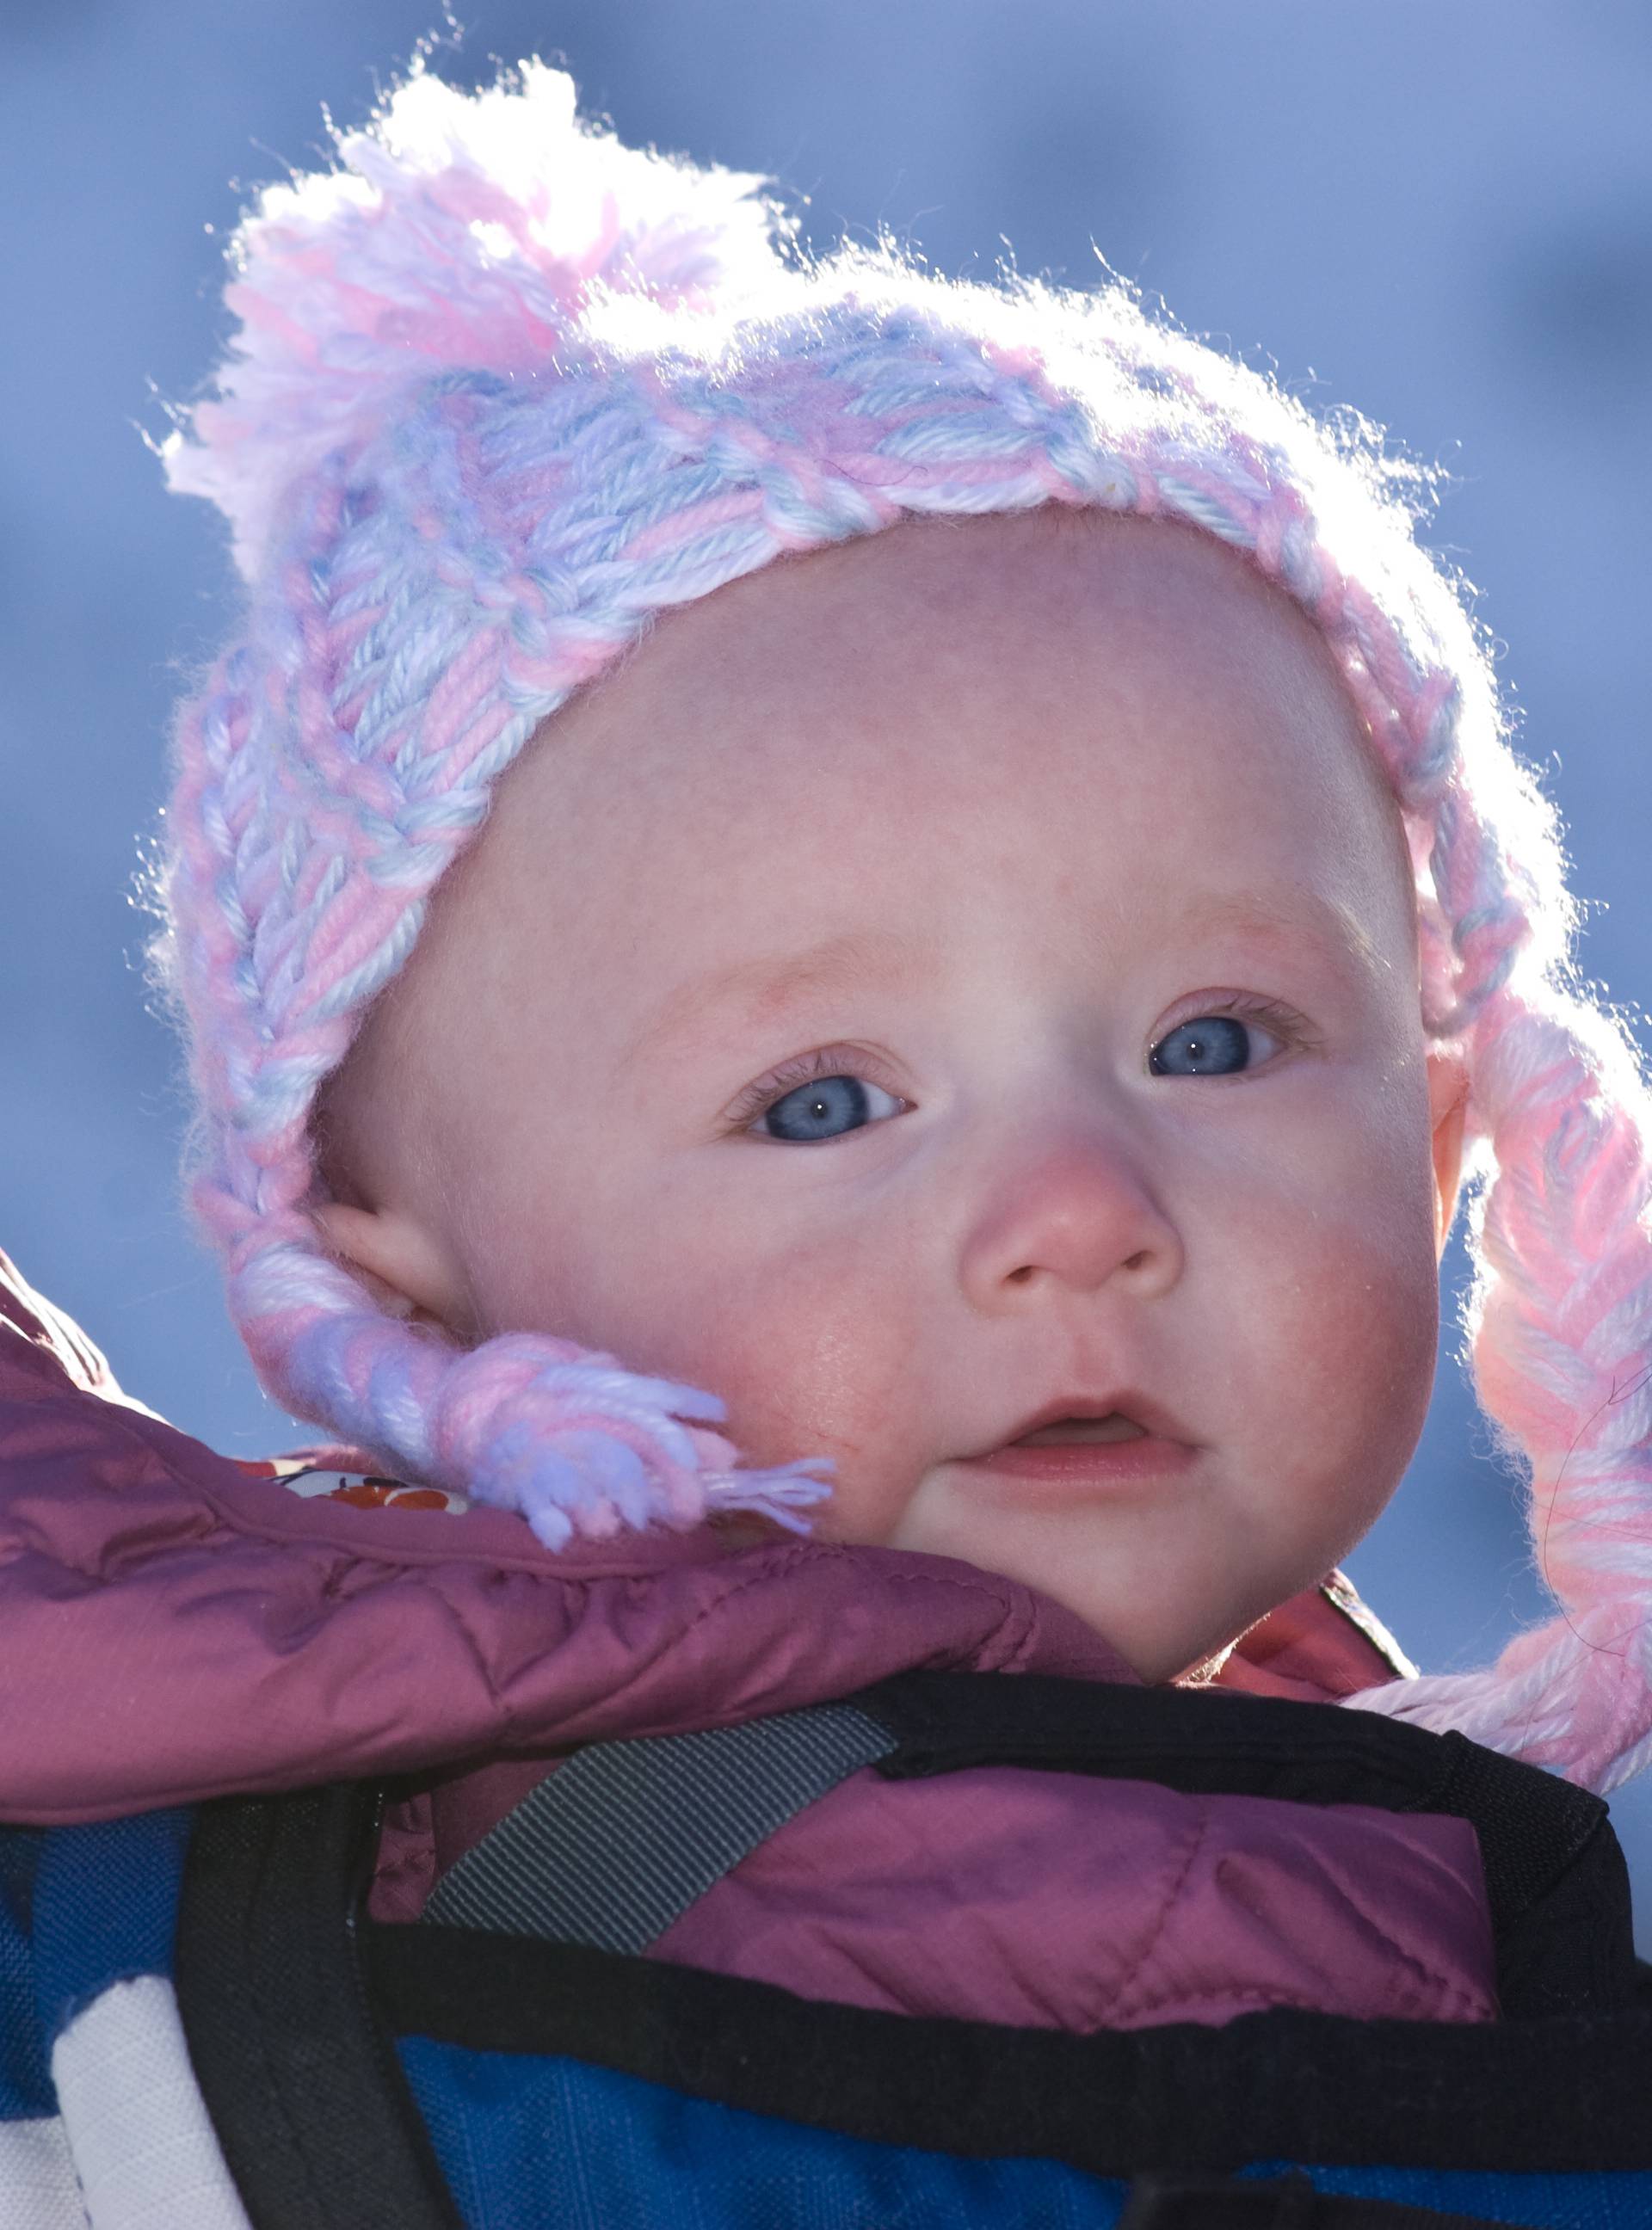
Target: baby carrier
510, 2060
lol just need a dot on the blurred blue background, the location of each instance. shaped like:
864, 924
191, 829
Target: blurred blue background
1438, 210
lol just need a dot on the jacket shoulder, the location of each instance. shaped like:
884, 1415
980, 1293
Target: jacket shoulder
42, 1347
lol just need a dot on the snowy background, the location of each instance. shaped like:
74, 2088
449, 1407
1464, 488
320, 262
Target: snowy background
1438, 210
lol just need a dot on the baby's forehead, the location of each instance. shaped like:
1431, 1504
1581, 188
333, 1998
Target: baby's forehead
925, 586
837, 662
1074, 713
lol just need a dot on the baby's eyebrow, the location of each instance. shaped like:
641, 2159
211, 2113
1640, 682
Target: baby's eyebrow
844, 962
1288, 916
854, 958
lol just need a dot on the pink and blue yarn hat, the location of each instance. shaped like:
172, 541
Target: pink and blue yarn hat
502, 389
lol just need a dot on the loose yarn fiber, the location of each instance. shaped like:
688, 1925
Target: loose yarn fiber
501, 391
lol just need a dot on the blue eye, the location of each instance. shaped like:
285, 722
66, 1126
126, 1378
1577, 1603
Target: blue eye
1206, 1045
825, 1107
823, 1096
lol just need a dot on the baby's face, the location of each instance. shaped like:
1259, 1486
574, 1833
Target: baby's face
809, 1023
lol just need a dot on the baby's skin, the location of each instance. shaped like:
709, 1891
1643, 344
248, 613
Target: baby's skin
1030, 794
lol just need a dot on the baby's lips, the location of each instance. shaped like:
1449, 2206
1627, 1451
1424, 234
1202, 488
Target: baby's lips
1129, 1401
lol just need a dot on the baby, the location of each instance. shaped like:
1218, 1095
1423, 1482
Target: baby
1003, 895
844, 938
961, 981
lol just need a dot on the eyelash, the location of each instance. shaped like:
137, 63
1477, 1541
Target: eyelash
838, 1061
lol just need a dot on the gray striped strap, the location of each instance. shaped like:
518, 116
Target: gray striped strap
616, 1842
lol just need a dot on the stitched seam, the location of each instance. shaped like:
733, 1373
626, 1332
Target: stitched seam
1419, 1969
1251, 1993
1147, 1948
772, 1574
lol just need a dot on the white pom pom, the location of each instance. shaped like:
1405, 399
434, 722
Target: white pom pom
466, 231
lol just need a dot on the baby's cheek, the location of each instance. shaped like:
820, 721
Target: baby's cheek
1361, 1324
810, 1353
813, 1364
1368, 1345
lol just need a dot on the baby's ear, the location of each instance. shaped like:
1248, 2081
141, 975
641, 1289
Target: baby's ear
1448, 1105
403, 1267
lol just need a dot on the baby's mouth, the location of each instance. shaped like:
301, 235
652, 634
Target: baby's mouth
1117, 1413
1115, 1427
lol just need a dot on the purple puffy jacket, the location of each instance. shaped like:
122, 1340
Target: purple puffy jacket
175, 1625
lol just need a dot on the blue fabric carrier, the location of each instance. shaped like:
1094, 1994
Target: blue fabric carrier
511, 2068
528, 2142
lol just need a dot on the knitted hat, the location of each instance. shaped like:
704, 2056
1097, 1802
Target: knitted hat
502, 389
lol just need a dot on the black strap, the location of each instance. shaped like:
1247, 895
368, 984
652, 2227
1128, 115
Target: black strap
1556, 1882
300, 2076
289, 2012
1281, 2085
615, 1844
1207, 2203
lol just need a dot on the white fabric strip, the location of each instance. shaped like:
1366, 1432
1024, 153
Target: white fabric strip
138, 2129
37, 2187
